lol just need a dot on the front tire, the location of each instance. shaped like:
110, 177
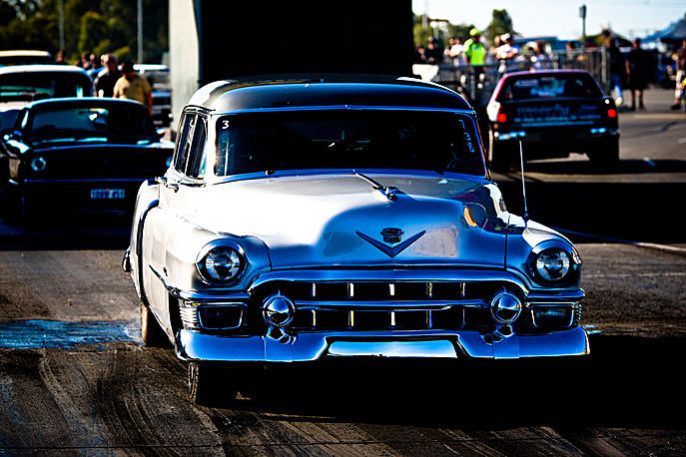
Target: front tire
208, 385
151, 332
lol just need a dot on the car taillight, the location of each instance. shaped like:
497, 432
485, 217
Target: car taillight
502, 117
612, 113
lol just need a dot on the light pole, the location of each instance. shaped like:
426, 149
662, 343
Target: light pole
61, 7
140, 31
582, 15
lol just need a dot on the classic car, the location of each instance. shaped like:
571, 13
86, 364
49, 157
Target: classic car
84, 153
22, 84
332, 217
552, 113
25, 57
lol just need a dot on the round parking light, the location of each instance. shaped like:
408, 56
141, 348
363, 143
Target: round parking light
505, 308
278, 311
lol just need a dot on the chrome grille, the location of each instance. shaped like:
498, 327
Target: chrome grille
383, 306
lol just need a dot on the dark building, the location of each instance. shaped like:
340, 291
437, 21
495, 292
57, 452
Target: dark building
212, 40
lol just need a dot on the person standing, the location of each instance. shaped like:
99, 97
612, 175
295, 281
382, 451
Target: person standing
474, 51
61, 57
107, 78
680, 75
506, 53
434, 53
637, 70
131, 86
617, 67
455, 50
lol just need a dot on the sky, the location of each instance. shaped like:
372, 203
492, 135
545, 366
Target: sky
630, 18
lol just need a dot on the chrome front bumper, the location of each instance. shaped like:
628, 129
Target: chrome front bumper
194, 346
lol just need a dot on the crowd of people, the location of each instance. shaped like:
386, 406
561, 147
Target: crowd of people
476, 53
113, 80
627, 71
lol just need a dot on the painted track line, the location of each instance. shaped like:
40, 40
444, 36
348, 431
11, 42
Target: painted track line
640, 244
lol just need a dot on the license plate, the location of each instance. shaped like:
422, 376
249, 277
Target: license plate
107, 194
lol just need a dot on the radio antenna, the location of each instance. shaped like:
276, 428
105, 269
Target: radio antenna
521, 159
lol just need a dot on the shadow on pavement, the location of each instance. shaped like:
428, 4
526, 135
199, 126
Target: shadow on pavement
64, 231
631, 211
586, 167
627, 382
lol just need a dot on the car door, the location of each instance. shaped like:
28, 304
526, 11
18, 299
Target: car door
179, 193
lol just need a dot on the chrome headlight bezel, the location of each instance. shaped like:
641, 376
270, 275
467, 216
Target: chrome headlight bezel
201, 267
574, 264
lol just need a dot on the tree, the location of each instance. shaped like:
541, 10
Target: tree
501, 23
460, 30
90, 26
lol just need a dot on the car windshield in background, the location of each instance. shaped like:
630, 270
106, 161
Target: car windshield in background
550, 86
41, 85
351, 139
82, 123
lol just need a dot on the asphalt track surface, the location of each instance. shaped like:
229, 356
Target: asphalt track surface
75, 379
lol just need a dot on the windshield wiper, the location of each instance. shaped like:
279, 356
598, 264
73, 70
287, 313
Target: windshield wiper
389, 192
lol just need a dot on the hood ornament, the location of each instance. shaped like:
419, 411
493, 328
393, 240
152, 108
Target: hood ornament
390, 192
392, 236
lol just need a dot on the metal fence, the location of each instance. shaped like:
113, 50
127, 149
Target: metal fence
477, 85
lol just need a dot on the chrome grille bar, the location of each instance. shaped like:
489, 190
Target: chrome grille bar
395, 305
351, 290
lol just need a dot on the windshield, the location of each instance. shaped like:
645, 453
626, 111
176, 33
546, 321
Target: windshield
36, 86
76, 123
550, 86
350, 139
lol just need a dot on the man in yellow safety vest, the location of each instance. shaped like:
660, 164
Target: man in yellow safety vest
474, 51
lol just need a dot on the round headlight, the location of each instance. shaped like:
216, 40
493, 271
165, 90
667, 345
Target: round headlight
221, 264
38, 164
552, 264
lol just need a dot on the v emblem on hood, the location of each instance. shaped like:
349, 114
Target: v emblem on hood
391, 251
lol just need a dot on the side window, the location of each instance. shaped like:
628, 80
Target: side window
183, 142
196, 156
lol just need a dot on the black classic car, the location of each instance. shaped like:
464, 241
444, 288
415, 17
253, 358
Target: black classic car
330, 217
552, 113
79, 153
22, 84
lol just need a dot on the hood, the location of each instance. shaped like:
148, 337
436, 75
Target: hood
341, 220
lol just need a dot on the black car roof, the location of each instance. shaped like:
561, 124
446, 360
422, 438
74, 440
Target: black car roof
83, 101
325, 90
